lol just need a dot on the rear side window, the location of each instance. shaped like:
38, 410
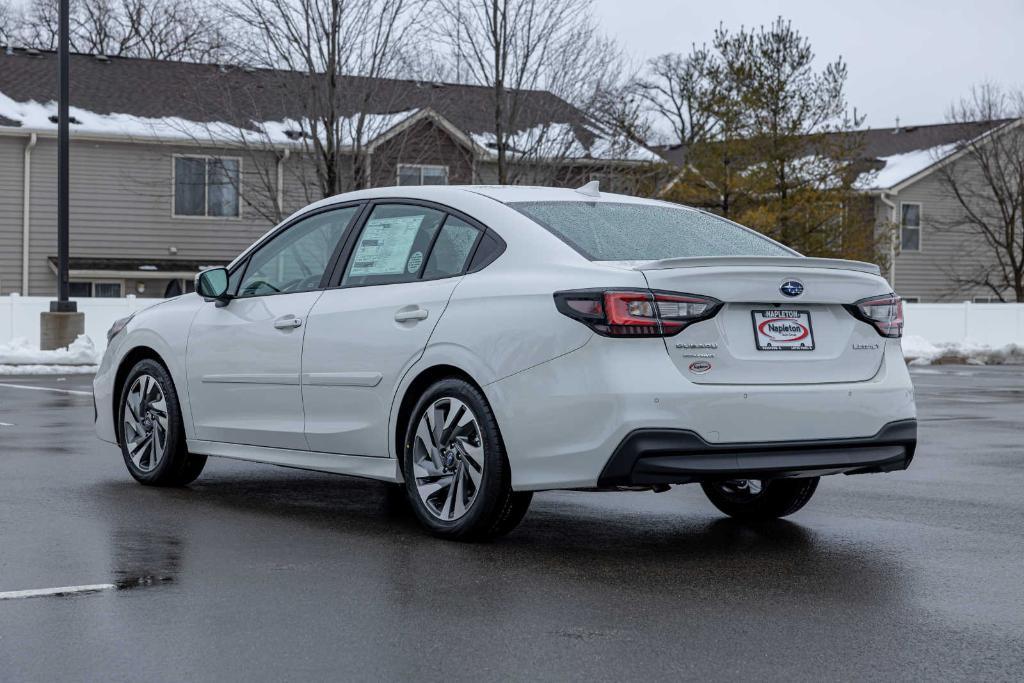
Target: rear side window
608, 231
452, 249
393, 245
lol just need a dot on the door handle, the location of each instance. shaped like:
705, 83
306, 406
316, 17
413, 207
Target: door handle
288, 323
412, 314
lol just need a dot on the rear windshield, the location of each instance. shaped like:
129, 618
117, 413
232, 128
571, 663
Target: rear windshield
606, 231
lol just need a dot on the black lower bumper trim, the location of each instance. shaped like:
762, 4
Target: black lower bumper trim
679, 456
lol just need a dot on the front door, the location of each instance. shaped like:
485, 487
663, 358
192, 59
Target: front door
244, 358
365, 334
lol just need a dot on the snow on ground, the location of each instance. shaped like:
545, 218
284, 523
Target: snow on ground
46, 370
920, 351
19, 357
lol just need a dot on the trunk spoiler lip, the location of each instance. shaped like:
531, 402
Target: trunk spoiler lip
751, 261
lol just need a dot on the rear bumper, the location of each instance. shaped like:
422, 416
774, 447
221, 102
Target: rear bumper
678, 456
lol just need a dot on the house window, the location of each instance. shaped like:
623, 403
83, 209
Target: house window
88, 290
207, 186
986, 300
911, 299
418, 174
910, 227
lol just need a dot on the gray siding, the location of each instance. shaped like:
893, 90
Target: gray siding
121, 207
946, 249
11, 179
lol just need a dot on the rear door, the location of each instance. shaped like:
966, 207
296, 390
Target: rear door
780, 324
363, 334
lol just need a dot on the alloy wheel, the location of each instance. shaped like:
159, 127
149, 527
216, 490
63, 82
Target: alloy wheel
145, 423
448, 458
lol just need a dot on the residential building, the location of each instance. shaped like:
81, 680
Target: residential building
176, 166
904, 190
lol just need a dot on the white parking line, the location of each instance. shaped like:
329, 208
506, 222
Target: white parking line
75, 392
63, 590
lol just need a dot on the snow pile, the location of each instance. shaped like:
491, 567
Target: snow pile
20, 357
899, 167
920, 351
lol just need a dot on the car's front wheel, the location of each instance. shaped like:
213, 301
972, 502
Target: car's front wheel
456, 471
760, 499
151, 432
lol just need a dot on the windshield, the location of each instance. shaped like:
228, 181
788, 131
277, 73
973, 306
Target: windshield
607, 231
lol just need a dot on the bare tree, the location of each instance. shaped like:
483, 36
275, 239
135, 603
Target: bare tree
681, 91
8, 21
319, 46
986, 178
156, 29
514, 47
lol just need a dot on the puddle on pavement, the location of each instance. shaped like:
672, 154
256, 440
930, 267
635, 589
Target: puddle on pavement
143, 559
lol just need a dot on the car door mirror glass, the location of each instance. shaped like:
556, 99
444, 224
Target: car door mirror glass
212, 283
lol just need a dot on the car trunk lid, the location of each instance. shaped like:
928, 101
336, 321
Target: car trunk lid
762, 335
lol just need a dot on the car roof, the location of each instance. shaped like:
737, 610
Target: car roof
506, 194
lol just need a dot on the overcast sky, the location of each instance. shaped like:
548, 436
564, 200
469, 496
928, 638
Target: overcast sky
905, 58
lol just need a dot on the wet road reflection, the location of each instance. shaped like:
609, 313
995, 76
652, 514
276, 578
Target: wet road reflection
264, 573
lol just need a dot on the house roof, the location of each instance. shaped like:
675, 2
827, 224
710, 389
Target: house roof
893, 155
112, 94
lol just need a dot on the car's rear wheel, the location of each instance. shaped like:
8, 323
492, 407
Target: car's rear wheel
456, 471
760, 499
150, 429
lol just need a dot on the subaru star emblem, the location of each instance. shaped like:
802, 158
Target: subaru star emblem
792, 288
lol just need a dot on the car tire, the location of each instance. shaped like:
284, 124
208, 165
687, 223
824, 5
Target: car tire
150, 429
758, 500
457, 474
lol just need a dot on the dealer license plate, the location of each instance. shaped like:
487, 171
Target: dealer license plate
779, 329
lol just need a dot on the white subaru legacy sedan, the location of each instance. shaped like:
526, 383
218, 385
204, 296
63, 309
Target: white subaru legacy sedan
476, 344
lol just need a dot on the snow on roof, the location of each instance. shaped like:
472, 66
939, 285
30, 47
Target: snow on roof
560, 141
899, 167
548, 141
41, 117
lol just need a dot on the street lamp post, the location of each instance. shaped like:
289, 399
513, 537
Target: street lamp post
62, 324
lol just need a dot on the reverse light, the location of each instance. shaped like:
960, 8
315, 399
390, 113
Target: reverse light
885, 313
635, 312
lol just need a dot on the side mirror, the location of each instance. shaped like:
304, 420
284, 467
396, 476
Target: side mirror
212, 284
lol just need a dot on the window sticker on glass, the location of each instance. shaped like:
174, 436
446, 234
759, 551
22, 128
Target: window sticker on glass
385, 245
415, 261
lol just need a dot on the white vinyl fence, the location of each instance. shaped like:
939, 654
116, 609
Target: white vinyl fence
19, 316
989, 324
992, 324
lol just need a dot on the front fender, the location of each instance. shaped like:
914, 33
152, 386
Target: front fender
164, 331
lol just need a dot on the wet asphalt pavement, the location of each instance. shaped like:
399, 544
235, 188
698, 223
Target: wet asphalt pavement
261, 573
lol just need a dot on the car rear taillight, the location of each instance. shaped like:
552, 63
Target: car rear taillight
884, 312
635, 312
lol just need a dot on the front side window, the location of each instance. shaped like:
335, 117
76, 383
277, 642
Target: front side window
207, 186
295, 260
418, 174
393, 245
910, 227
612, 231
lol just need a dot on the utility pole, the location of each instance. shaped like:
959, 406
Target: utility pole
63, 323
